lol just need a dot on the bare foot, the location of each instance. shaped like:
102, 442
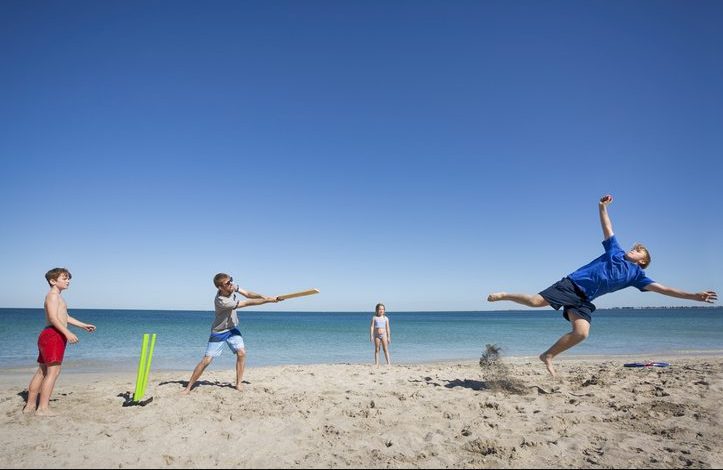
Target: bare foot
185, 391
494, 297
240, 387
46, 413
547, 359
28, 410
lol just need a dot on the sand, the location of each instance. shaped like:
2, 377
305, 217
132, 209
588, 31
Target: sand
457, 414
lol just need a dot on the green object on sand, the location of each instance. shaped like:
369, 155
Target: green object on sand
144, 366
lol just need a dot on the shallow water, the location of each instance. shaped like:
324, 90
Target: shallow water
275, 338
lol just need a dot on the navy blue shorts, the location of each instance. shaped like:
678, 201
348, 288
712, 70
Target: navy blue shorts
565, 293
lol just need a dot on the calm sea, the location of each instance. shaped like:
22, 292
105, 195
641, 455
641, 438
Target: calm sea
275, 338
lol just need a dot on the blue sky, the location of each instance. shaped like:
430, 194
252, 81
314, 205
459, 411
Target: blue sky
418, 153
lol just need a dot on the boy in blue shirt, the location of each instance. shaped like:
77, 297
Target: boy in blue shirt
612, 271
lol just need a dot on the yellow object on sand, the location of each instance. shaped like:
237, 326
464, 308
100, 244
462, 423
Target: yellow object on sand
144, 367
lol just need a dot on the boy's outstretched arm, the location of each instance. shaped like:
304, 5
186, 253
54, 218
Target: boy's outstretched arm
257, 299
86, 326
248, 294
260, 301
708, 296
607, 225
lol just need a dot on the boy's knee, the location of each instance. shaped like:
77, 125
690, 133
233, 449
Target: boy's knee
241, 353
581, 335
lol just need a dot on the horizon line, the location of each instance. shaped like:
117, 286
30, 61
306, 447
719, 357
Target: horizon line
529, 309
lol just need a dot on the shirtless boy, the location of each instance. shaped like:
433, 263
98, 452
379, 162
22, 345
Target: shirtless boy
52, 342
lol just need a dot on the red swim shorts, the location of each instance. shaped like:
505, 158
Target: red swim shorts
51, 345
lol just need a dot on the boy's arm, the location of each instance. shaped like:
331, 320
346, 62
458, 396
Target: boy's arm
248, 294
260, 301
708, 296
86, 326
258, 298
607, 225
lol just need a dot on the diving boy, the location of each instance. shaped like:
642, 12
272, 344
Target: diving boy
612, 271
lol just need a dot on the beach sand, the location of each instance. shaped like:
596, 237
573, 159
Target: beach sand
456, 414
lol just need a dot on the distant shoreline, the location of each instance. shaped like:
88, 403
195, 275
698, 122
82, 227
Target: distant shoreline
516, 309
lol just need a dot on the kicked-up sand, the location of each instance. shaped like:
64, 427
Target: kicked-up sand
596, 414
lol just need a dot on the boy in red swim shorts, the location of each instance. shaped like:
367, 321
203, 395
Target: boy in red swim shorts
51, 343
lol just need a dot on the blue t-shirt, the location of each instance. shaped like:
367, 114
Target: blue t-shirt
609, 272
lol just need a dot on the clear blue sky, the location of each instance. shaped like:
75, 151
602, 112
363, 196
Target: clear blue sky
419, 153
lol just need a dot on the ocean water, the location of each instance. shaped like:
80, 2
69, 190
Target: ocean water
277, 338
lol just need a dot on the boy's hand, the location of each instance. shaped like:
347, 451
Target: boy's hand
707, 296
72, 339
89, 328
606, 199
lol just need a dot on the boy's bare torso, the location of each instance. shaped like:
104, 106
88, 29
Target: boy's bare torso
62, 309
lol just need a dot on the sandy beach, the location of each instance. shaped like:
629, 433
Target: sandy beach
458, 414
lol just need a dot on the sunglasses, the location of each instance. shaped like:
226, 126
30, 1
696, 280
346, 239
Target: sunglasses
228, 283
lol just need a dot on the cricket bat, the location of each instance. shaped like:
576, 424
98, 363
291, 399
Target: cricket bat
298, 294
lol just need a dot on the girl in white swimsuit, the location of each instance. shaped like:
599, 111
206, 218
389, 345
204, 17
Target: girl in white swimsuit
380, 334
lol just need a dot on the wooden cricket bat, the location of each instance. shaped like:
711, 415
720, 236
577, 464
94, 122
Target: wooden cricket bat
298, 294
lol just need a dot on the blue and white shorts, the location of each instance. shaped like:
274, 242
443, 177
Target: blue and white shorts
231, 337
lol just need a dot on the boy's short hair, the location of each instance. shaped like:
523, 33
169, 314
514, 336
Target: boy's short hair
55, 273
220, 277
646, 260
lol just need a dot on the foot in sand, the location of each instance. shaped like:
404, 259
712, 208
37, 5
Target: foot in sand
494, 297
27, 410
547, 359
44, 412
240, 387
